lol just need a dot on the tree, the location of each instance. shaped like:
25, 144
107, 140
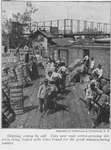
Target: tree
26, 16
16, 23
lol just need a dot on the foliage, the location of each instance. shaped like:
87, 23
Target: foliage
13, 27
26, 16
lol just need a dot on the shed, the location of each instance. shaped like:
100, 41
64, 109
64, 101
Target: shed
42, 38
99, 51
41, 32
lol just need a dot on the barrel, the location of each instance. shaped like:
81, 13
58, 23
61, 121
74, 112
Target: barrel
16, 97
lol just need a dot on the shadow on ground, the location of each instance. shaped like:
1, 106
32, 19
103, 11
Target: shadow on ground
59, 107
29, 84
30, 108
66, 92
25, 97
59, 98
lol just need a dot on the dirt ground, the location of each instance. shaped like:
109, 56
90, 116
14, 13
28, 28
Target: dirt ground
71, 112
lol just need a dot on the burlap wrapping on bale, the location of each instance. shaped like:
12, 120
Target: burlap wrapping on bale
106, 89
76, 63
103, 99
75, 72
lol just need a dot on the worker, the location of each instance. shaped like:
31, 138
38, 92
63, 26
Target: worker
92, 64
86, 61
49, 77
52, 57
35, 73
88, 97
62, 71
26, 48
43, 93
52, 66
100, 103
99, 72
52, 98
57, 77
18, 52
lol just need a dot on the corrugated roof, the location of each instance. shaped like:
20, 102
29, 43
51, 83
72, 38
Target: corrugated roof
103, 40
47, 34
63, 41
44, 33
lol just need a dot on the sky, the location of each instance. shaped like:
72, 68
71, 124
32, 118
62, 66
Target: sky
90, 11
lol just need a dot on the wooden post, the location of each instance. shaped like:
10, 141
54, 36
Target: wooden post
51, 23
78, 26
44, 25
85, 25
92, 26
64, 26
71, 26
58, 25
98, 26
37, 25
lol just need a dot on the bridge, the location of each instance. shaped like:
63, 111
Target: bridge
72, 27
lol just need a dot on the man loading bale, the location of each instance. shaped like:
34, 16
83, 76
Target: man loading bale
98, 72
97, 105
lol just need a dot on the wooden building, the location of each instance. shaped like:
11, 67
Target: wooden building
99, 49
69, 50
42, 39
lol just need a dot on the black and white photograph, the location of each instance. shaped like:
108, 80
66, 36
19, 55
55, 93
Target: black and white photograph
55, 71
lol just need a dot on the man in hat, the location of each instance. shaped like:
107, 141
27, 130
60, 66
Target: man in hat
62, 71
26, 57
43, 93
57, 78
99, 72
18, 52
92, 64
86, 61
49, 77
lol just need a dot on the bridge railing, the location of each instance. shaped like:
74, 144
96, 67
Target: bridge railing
74, 26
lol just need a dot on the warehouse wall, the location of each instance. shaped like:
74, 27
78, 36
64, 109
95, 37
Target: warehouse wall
102, 56
44, 43
75, 53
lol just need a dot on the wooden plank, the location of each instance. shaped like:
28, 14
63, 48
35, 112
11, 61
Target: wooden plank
37, 120
31, 101
51, 121
32, 114
59, 115
78, 108
43, 123
83, 107
66, 113
74, 114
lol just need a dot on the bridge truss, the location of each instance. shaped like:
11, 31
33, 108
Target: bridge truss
72, 27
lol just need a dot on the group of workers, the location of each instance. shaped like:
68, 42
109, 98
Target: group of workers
97, 89
97, 95
54, 83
